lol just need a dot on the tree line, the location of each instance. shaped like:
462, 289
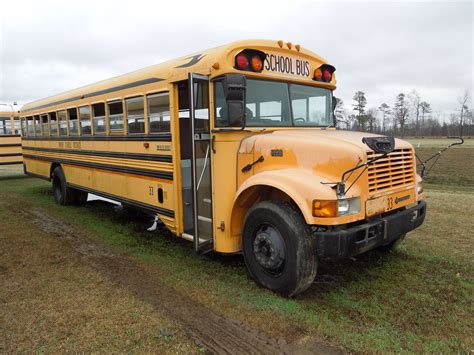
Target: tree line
409, 115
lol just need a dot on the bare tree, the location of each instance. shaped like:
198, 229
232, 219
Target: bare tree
371, 119
359, 106
415, 104
425, 108
340, 113
401, 112
385, 109
463, 102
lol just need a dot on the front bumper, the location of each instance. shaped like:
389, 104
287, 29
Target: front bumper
367, 236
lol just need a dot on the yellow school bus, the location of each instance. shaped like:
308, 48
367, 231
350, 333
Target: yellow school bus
10, 140
235, 149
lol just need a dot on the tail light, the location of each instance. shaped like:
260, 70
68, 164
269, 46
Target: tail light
242, 62
250, 59
327, 75
324, 73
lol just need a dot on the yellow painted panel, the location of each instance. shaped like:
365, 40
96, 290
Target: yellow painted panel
137, 188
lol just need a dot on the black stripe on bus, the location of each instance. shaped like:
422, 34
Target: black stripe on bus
10, 155
142, 172
163, 137
155, 209
9, 135
134, 156
11, 163
10, 145
97, 93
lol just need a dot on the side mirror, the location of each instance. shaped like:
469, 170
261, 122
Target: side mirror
234, 91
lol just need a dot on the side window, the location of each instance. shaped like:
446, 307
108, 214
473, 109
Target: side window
53, 123
85, 119
30, 126
135, 115
73, 121
16, 125
115, 116
62, 123
44, 125
37, 125
23, 127
98, 112
8, 124
159, 112
3, 125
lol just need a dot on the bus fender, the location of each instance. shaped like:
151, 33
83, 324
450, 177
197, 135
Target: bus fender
298, 185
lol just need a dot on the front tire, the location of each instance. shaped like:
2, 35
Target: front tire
279, 250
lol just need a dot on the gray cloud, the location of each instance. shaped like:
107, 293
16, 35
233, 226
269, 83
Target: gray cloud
382, 48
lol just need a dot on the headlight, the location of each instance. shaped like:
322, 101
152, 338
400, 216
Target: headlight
420, 186
334, 208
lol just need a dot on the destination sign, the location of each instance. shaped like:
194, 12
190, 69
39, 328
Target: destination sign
277, 63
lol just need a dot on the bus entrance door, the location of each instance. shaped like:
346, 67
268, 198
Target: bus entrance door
196, 169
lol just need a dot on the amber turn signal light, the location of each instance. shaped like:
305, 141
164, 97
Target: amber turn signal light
256, 63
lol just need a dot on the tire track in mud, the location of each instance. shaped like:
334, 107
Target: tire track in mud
214, 333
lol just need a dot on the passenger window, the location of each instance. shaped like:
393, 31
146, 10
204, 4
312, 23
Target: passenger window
115, 116
73, 122
16, 125
44, 125
23, 127
85, 120
98, 112
135, 115
62, 123
30, 126
159, 112
5, 125
53, 123
37, 125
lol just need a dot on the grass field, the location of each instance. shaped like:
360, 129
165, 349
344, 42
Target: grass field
417, 299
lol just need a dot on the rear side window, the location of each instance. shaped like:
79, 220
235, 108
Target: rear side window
37, 125
115, 116
44, 125
30, 126
53, 123
159, 112
98, 112
5, 125
135, 115
85, 120
23, 127
62, 123
73, 122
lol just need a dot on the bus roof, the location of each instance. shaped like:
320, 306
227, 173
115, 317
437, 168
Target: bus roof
173, 70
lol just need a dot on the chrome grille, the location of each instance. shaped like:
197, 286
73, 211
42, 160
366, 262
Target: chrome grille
395, 170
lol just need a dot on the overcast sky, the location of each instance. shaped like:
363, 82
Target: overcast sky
381, 48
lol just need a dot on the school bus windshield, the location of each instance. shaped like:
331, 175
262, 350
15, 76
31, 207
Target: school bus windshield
273, 103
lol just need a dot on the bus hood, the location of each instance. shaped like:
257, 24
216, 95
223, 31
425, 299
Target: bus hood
326, 153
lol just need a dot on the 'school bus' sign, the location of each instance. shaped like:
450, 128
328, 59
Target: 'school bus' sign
277, 63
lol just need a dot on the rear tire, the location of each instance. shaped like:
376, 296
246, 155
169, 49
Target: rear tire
279, 250
64, 195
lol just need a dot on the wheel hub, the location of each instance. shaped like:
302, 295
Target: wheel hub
269, 248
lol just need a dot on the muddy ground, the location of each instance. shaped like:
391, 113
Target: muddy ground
211, 332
